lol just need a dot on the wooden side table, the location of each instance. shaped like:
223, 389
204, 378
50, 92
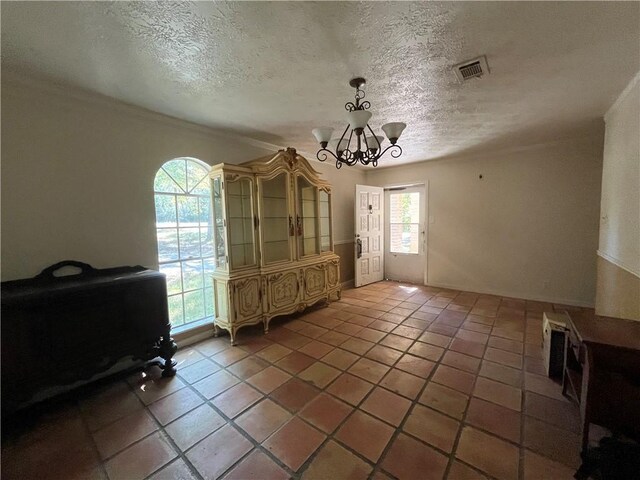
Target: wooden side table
602, 373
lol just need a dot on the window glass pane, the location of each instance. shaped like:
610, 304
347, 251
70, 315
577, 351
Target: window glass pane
275, 223
404, 218
176, 314
307, 235
206, 241
218, 226
195, 174
404, 238
166, 211
209, 265
192, 275
176, 170
203, 187
172, 271
208, 302
193, 306
185, 232
164, 183
204, 211
404, 207
167, 244
189, 243
188, 211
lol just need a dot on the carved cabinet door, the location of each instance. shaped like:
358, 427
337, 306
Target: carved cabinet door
333, 274
248, 298
284, 290
315, 281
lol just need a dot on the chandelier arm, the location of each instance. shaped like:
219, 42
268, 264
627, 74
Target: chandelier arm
371, 156
350, 159
348, 149
346, 159
366, 144
340, 141
396, 151
373, 135
322, 154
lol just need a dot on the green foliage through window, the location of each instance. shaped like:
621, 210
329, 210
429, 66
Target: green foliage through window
184, 233
404, 222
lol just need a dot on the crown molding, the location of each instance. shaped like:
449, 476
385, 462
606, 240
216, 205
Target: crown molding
494, 152
89, 97
93, 98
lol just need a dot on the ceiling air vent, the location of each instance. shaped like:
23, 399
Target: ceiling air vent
474, 68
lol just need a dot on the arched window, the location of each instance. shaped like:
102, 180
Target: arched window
185, 247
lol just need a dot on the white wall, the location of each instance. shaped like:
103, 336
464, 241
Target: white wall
528, 229
620, 205
78, 170
618, 287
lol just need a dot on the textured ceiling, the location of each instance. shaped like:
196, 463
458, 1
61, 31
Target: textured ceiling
274, 71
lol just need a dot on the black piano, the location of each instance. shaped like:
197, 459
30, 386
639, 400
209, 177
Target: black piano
60, 330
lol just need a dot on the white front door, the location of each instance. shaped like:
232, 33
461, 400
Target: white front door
405, 235
369, 223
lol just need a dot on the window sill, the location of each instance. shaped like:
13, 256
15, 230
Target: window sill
194, 332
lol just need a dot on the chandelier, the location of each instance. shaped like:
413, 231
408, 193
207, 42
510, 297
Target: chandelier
367, 148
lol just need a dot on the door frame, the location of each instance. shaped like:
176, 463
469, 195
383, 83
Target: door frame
427, 222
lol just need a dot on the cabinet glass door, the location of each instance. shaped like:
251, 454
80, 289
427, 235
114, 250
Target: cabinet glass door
325, 221
276, 223
241, 227
307, 217
219, 240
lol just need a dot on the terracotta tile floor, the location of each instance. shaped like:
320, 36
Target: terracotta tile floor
393, 381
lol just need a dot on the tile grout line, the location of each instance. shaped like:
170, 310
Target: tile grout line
93, 442
369, 393
456, 441
329, 437
228, 421
181, 455
416, 401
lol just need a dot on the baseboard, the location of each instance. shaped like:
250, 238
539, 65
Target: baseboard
195, 335
504, 293
348, 284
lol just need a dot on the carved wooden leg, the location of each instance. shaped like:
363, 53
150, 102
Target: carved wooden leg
265, 321
232, 336
216, 330
168, 348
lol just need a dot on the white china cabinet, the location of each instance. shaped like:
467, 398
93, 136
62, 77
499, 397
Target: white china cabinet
273, 240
